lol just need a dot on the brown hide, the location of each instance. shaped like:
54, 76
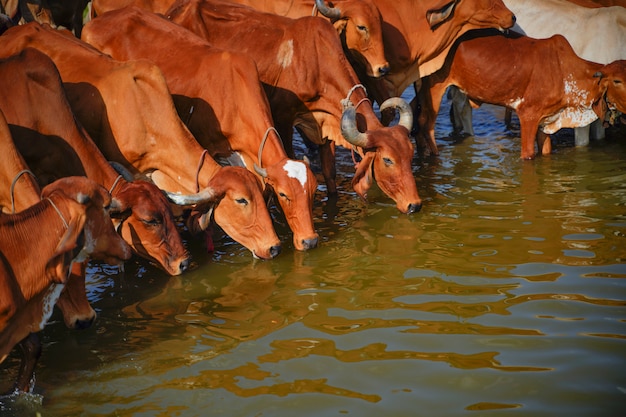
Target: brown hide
359, 26
418, 34
220, 98
72, 210
539, 93
307, 76
129, 113
54, 145
156, 6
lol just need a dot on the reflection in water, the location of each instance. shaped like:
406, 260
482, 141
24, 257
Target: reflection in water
505, 294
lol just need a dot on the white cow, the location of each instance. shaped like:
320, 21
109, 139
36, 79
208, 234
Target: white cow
596, 34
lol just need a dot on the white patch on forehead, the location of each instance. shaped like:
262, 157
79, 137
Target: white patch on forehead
49, 301
296, 170
285, 53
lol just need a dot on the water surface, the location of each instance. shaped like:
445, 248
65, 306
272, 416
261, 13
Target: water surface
504, 296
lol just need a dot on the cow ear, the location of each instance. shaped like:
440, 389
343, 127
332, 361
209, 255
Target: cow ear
362, 180
437, 16
72, 235
57, 268
600, 108
340, 25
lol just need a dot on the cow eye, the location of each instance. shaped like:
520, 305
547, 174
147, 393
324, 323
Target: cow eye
242, 201
151, 222
283, 195
388, 161
617, 81
362, 28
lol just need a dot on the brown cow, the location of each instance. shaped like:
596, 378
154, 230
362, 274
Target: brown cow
37, 247
569, 92
220, 98
417, 36
358, 23
309, 82
129, 113
18, 192
42, 120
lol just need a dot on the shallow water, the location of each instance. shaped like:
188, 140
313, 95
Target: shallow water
504, 296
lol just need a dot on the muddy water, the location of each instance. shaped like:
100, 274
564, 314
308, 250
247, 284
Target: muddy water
504, 296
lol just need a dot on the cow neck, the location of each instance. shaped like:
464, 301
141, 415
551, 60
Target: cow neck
54, 206
357, 97
115, 183
19, 237
205, 170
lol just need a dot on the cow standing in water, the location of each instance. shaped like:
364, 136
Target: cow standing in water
571, 92
128, 111
38, 246
220, 98
311, 85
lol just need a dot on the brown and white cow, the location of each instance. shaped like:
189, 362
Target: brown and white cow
54, 145
569, 92
358, 24
38, 245
220, 98
309, 82
127, 110
574, 19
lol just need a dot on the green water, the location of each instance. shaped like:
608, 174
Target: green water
504, 296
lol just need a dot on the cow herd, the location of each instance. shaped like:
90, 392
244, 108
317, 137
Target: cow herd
159, 115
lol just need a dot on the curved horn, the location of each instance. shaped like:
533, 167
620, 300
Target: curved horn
122, 170
329, 12
205, 196
406, 114
261, 171
349, 129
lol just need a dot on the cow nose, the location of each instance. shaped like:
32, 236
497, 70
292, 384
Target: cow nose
309, 243
83, 324
184, 265
414, 208
384, 70
274, 251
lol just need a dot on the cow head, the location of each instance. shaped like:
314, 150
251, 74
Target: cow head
359, 24
101, 241
233, 198
612, 83
476, 14
385, 152
294, 185
145, 221
481, 14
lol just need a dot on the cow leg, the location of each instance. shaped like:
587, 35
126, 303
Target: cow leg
430, 100
508, 116
544, 143
581, 136
31, 351
597, 130
329, 169
529, 135
460, 112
